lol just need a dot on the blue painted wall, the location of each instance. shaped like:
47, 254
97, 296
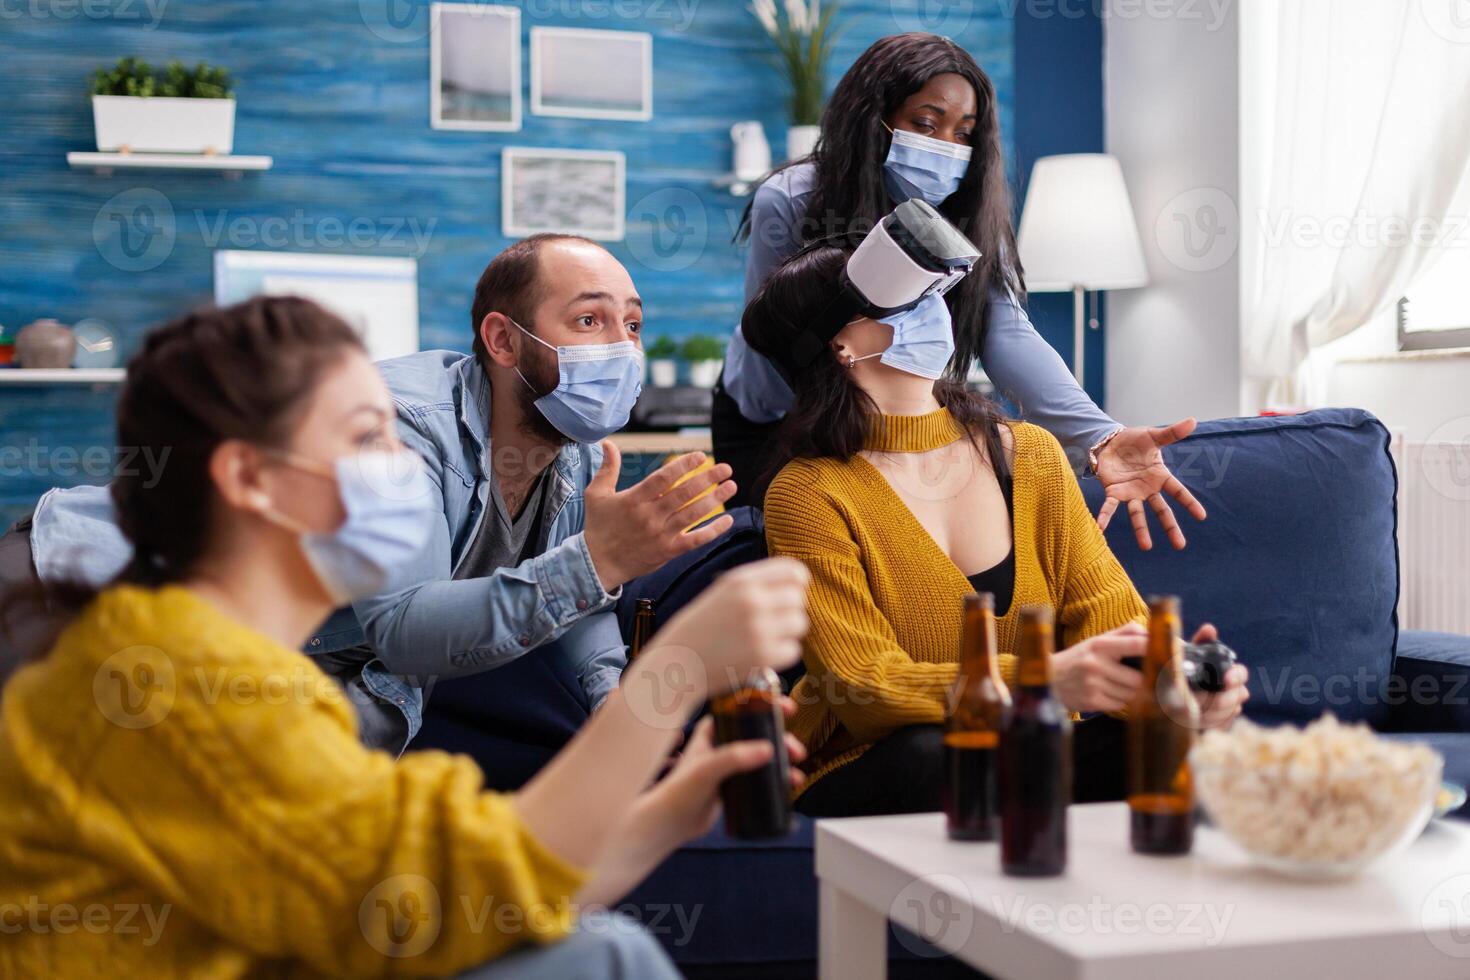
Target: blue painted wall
337, 92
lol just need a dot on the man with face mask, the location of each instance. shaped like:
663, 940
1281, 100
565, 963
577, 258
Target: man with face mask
531, 541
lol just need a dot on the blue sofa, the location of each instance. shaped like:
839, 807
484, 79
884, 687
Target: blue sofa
1297, 565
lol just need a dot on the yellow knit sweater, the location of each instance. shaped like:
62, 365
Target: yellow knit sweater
184, 797
885, 601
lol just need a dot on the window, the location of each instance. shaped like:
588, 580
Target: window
1436, 312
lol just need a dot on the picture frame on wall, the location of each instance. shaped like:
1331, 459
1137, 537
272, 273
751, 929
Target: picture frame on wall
578, 192
591, 74
475, 67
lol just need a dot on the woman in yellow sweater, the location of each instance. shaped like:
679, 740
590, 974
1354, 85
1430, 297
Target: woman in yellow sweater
903, 492
185, 794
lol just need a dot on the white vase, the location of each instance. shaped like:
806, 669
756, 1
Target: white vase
704, 374
801, 140
163, 125
663, 372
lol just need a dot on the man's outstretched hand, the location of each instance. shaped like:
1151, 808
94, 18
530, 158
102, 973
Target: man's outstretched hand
1131, 469
632, 533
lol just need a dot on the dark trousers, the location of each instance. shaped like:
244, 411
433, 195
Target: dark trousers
748, 447
904, 773
25, 628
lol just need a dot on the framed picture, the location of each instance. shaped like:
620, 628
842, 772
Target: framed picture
591, 74
475, 67
580, 192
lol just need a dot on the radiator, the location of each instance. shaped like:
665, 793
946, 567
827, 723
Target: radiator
1434, 535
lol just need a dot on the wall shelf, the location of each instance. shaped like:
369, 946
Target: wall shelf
62, 376
105, 163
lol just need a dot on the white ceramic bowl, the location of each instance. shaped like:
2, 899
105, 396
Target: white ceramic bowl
1317, 829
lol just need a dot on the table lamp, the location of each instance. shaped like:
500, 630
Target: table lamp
1078, 233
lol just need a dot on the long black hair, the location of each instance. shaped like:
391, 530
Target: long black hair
848, 195
833, 416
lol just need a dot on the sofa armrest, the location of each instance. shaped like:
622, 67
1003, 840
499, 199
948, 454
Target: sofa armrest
1431, 683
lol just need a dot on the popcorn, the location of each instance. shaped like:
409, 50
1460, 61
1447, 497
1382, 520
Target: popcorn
1326, 793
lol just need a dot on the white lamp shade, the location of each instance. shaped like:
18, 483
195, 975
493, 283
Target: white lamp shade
1077, 228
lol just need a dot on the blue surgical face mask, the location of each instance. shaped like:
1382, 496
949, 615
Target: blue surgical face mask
391, 508
924, 167
923, 339
597, 388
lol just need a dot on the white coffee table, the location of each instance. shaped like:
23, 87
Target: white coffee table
1115, 914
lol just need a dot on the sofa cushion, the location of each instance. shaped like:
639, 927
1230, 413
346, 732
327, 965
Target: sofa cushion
1297, 563
679, 581
1432, 671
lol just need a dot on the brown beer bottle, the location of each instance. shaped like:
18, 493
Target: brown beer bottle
1162, 721
1035, 760
642, 628
757, 803
979, 705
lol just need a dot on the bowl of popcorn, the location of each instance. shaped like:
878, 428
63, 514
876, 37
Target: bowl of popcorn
1325, 801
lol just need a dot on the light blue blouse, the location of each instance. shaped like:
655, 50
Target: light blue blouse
1025, 369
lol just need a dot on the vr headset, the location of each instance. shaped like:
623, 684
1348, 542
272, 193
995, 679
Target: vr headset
912, 254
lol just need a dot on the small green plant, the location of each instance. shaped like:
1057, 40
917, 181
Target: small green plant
662, 348
702, 347
130, 76
133, 76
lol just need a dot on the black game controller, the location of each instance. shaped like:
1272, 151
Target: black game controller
1206, 664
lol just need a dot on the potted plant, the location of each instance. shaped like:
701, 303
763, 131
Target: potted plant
181, 110
706, 356
803, 34
662, 368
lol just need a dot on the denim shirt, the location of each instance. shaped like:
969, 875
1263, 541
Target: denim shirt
1026, 369
433, 627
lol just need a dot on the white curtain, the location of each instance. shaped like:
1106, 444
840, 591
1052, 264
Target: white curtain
1359, 161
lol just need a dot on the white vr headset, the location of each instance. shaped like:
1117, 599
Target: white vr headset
912, 254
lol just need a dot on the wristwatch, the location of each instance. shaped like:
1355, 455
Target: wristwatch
1098, 447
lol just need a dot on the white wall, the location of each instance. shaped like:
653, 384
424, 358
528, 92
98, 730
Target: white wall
1171, 72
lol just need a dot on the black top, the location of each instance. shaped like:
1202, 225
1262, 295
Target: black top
1000, 579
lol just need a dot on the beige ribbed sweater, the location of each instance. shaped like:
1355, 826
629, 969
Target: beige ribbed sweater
885, 600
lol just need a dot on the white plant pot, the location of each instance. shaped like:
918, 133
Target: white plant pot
704, 374
801, 140
161, 125
664, 373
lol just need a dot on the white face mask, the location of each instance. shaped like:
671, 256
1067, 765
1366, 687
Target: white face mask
924, 167
597, 387
391, 507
